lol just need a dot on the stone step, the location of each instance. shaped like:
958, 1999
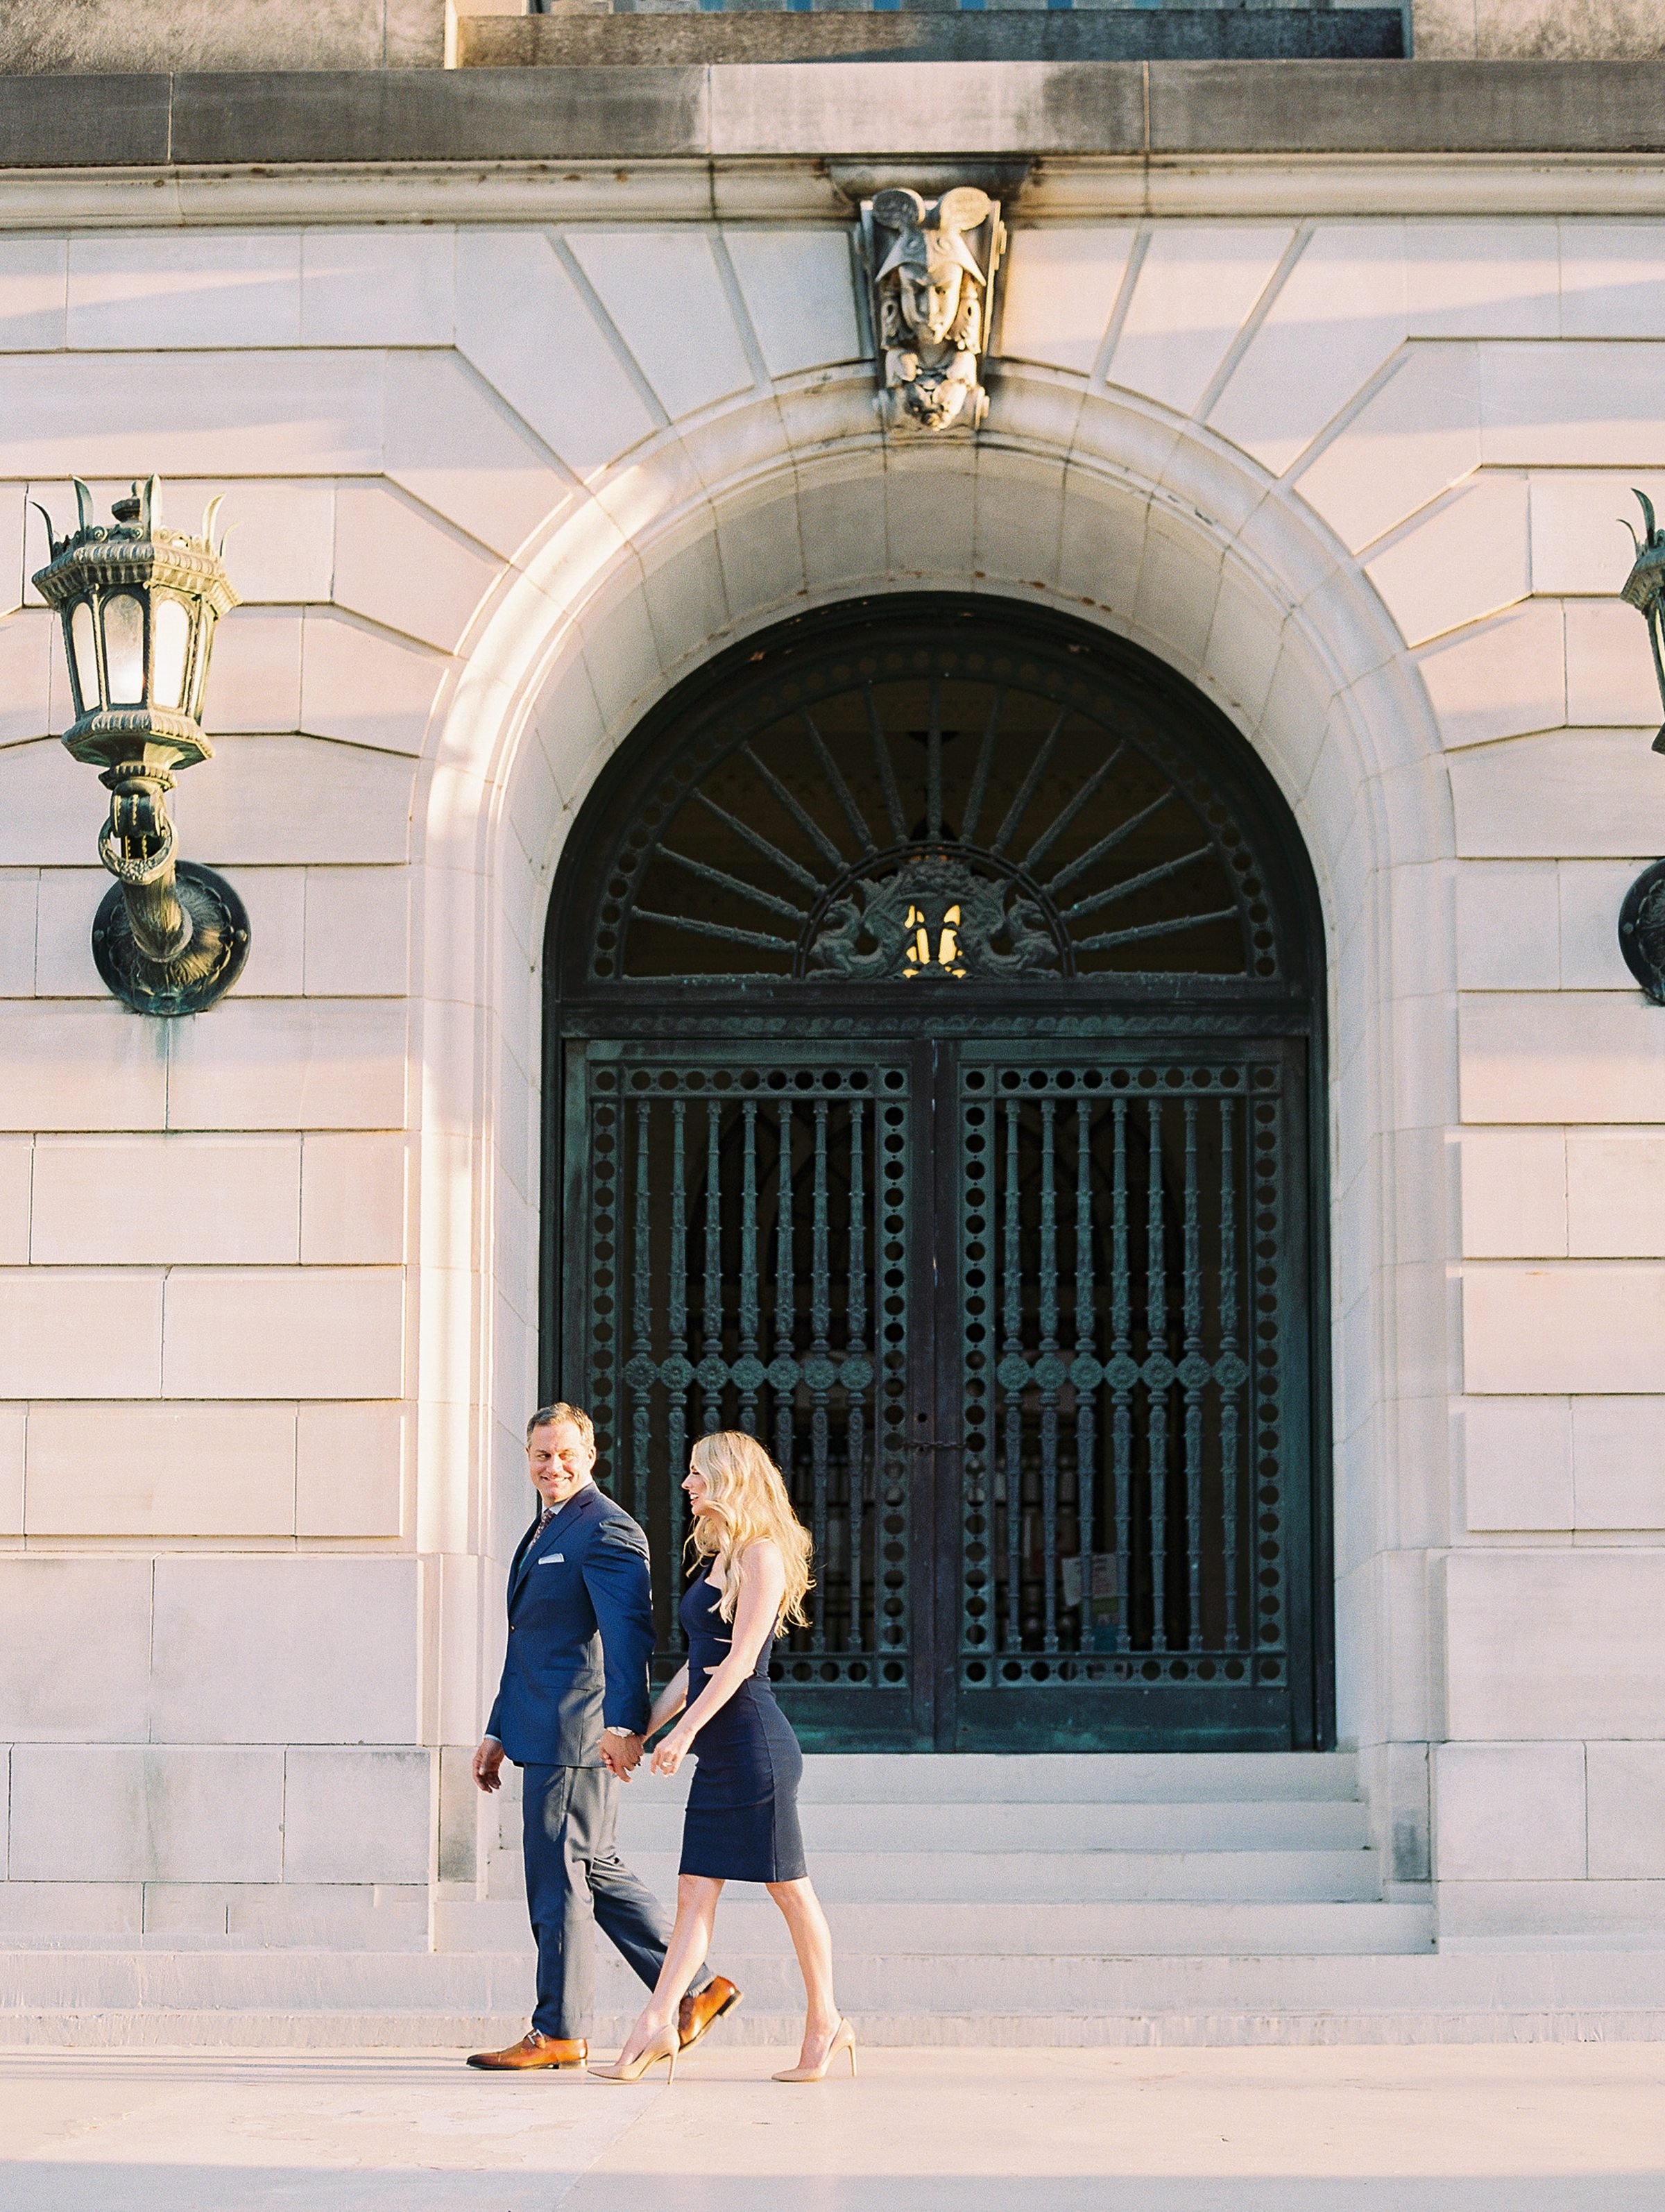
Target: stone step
1227, 1827
1188, 2000
1002, 1878
1193, 1778
1038, 1930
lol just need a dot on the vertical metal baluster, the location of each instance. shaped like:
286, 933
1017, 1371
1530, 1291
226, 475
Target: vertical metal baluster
641, 1413
1049, 1352
711, 1334
854, 1640
1228, 1361
934, 765
1156, 1352
1121, 1392
677, 1305
1085, 1336
786, 1297
1194, 1372
820, 1322
1012, 1349
748, 1342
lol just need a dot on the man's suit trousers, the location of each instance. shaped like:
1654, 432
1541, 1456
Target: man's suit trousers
575, 1880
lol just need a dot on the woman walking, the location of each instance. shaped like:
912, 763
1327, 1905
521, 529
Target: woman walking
742, 1818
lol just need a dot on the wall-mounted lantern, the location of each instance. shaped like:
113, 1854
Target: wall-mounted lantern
1642, 917
138, 604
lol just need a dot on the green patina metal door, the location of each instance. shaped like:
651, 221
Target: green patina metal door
934, 1052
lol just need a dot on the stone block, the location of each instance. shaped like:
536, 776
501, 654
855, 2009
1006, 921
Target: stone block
352, 1199
16, 1174
59, 1909
1592, 894
1501, 680
190, 413
255, 685
842, 520
283, 536
1566, 791
1576, 405
1612, 278
71, 1332
1507, 1812
1478, 279
1338, 316
350, 1471
1467, 560
798, 286
1619, 1463
28, 641
158, 1471
1561, 1056
1553, 1645
1514, 1194
75, 1646
391, 287
399, 568
100, 1812
273, 799
194, 288
1626, 1786
34, 294
283, 1333
762, 553
316, 1064
1573, 1329
357, 1815
365, 686
1509, 927
1195, 288
1059, 290
1594, 1916
284, 1650
329, 1917
453, 443
1616, 1193
518, 310
79, 1067
19, 897
1517, 1463
357, 930
1608, 681
1578, 547
691, 361
13, 1426
124, 1201
69, 900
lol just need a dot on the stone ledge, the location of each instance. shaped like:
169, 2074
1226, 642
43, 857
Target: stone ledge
1153, 111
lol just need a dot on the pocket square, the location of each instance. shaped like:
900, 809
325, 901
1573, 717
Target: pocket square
553, 1559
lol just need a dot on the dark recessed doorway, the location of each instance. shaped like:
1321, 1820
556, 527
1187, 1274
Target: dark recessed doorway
935, 1082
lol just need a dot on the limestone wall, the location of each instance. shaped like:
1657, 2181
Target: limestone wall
268, 1290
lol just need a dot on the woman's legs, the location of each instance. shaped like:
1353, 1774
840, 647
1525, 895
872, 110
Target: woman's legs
811, 1938
690, 1938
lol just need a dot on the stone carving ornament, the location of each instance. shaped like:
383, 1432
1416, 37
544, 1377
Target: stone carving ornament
931, 268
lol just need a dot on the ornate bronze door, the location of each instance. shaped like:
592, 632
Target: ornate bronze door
933, 1051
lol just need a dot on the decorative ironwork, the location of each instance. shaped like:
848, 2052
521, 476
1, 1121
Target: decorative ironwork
1642, 917
825, 821
997, 1231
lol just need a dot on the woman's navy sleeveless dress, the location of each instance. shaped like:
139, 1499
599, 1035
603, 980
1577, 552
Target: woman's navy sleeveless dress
742, 1819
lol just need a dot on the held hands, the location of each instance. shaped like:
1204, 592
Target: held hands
620, 1754
673, 1750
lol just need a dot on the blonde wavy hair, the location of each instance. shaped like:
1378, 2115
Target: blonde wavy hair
748, 1500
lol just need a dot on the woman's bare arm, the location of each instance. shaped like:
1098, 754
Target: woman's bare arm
670, 1701
762, 1586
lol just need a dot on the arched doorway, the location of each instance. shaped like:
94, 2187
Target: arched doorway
934, 1086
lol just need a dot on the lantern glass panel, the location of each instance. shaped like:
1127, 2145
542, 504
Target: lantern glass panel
204, 647
124, 648
86, 657
170, 653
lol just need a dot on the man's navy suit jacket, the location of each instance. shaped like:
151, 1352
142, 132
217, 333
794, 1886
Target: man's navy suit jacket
580, 1634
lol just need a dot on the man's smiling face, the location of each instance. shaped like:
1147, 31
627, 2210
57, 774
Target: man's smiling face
560, 1461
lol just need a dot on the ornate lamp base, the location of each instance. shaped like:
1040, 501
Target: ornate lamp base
203, 972
1642, 930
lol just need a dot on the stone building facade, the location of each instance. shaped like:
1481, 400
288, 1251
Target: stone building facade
1327, 389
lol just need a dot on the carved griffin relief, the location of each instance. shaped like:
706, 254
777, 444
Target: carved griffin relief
931, 269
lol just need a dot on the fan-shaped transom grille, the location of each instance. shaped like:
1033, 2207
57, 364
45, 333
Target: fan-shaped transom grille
934, 810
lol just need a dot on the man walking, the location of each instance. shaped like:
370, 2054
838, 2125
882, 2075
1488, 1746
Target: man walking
571, 1713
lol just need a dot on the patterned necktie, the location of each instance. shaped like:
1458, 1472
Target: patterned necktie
544, 1521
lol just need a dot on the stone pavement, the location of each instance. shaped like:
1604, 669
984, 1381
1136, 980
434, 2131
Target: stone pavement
1524, 2128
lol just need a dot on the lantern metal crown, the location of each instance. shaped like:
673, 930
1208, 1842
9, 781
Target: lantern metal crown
1642, 917
139, 604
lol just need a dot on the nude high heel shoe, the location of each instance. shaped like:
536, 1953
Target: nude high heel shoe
843, 2039
663, 2045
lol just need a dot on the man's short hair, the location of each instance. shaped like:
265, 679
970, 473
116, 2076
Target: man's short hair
562, 1411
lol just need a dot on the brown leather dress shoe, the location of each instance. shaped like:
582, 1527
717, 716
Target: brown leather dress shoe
533, 2050
698, 2012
